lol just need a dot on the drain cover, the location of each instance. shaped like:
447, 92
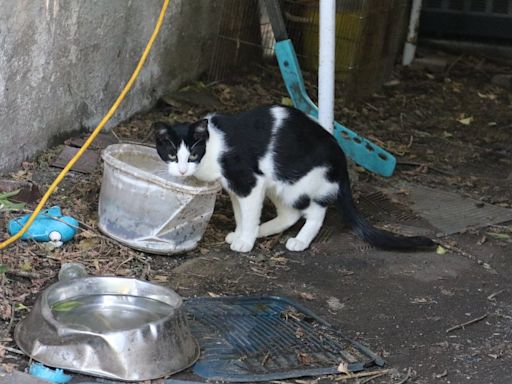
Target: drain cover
248, 339
452, 213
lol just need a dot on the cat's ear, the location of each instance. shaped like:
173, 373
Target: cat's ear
201, 130
161, 131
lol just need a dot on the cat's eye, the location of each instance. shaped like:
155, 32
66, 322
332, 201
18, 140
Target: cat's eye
172, 157
193, 156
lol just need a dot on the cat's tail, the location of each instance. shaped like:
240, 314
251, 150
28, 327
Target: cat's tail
376, 237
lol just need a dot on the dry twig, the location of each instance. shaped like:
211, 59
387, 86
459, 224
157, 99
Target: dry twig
362, 374
492, 296
265, 359
407, 377
473, 321
12, 350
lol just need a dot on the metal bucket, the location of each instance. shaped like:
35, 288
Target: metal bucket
111, 327
144, 207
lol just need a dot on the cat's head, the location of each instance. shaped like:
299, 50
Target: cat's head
181, 146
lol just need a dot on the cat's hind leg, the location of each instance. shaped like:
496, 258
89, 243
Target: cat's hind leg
286, 217
314, 215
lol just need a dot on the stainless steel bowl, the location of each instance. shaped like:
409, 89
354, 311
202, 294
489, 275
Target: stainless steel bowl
112, 327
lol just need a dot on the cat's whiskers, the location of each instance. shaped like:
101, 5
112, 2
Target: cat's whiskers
161, 172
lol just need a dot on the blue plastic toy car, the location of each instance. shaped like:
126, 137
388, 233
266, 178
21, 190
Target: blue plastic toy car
49, 225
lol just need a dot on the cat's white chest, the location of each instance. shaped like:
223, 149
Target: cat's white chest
209, 168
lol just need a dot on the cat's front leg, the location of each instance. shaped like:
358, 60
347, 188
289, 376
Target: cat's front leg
231, 236
250, 212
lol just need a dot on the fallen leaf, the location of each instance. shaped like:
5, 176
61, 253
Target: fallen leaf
26, 266
9, 367
20, 307
422, 300
490, 96
160, 278
86, 244
307, 296
499, 236
442, 374
440, 250
447, 292
482, 240
343, 367
6, 204
88, 234
304, 358
335, 304
66, 306
286, 101
466, 120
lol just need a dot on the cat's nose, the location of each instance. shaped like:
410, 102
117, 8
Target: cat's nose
182, 172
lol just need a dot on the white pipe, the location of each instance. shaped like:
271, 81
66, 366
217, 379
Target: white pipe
412, 35
326, 64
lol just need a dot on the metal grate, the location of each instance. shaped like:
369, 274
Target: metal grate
452, 213
500, 7
473, 19
268, 338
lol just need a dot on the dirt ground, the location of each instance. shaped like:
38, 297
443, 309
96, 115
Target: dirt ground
449, 129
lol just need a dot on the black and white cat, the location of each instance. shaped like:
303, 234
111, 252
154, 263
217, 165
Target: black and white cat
276, 152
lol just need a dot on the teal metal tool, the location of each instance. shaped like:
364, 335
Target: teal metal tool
359, 149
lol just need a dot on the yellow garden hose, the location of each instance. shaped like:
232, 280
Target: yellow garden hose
96, 131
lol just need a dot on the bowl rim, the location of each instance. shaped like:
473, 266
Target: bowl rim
62, 329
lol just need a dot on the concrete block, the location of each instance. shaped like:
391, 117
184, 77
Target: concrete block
63, 63
17, 377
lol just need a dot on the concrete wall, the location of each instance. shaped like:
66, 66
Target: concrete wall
63, 63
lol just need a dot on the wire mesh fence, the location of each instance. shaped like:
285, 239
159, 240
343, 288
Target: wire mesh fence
367, 37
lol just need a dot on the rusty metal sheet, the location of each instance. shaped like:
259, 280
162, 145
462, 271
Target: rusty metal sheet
28, 192
102, 141
86, 164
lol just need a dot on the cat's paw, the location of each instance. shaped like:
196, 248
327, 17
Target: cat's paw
231, 237
240, 245
295, 245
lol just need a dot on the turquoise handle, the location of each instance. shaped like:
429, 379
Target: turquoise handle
359, 149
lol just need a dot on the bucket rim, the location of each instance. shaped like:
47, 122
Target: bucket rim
109, 158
